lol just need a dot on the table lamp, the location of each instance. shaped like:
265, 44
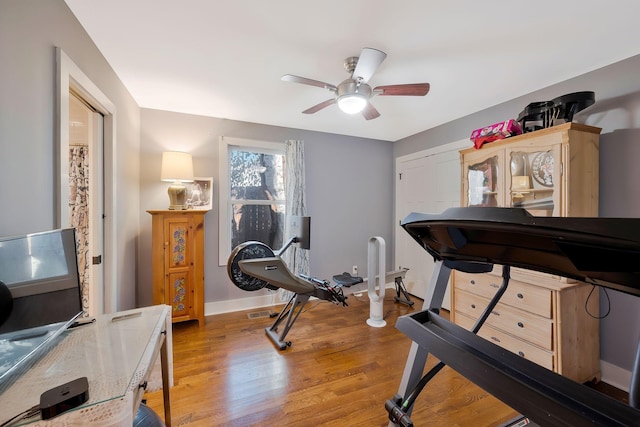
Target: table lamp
177, 168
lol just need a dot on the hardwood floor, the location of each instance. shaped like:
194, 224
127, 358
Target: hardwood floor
339, 371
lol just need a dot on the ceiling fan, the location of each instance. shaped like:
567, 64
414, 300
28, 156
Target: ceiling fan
353, 94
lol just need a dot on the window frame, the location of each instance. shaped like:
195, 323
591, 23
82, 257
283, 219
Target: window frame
224, 196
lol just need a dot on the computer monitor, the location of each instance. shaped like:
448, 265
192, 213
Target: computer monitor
40, 271
299, 227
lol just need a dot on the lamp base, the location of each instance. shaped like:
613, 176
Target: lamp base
177, 196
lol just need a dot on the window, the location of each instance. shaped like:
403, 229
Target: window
252, 194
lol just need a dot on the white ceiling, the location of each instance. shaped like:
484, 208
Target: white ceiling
224, 58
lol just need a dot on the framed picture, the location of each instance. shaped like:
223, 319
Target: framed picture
199, 193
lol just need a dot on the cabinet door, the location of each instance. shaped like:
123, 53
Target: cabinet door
179, 292
534, 179
178, 261
483, 179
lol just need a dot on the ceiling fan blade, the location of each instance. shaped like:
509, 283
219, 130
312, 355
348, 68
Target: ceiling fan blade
368, 62
370, 112
411, 89
320, 106
306, 81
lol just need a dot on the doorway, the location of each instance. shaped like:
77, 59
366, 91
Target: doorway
85, 198
85, 177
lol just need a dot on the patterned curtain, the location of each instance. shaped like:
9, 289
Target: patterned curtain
79, 212
297, 259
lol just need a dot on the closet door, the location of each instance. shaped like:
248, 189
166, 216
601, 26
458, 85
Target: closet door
427, 184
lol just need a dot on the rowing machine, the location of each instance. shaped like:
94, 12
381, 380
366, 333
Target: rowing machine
253, 266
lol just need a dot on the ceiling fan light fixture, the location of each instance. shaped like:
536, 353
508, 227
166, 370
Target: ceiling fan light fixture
352, 103
353, 94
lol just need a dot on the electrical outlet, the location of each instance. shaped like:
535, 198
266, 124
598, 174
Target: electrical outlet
354, 270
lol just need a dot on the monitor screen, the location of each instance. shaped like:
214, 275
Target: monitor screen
299, 227
40, 273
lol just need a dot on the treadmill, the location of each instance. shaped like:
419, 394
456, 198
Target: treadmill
601, 251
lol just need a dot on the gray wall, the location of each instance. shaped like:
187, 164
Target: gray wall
29, 32
349, 192
349, 199
617, 112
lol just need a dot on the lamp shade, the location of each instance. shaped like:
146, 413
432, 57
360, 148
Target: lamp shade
352, 103
176, 167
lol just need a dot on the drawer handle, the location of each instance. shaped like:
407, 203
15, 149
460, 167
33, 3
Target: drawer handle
473, 282
494, 285
496, 339
520, 295
495, 313
520, 324
473, 306
521, 354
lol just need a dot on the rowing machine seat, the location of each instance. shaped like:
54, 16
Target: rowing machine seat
345, 279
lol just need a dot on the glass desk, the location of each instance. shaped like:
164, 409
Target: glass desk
116, 353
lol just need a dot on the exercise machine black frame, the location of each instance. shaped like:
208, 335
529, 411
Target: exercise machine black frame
600, 251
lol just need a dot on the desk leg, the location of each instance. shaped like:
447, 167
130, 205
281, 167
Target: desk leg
166, 391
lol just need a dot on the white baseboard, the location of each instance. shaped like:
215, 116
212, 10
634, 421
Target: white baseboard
260, 301
615, 376
211, 308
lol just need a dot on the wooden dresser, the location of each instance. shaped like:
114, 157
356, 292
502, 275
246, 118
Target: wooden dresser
177, 262
546, 319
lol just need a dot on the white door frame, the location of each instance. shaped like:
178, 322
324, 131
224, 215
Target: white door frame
71, 77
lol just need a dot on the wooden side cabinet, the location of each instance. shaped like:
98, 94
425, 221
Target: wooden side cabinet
547, 319
177, 262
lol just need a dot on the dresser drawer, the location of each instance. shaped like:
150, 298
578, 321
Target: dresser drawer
521, 295
514, 345
529, 327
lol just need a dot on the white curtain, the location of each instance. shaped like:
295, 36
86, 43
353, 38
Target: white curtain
297, 259
79, 213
